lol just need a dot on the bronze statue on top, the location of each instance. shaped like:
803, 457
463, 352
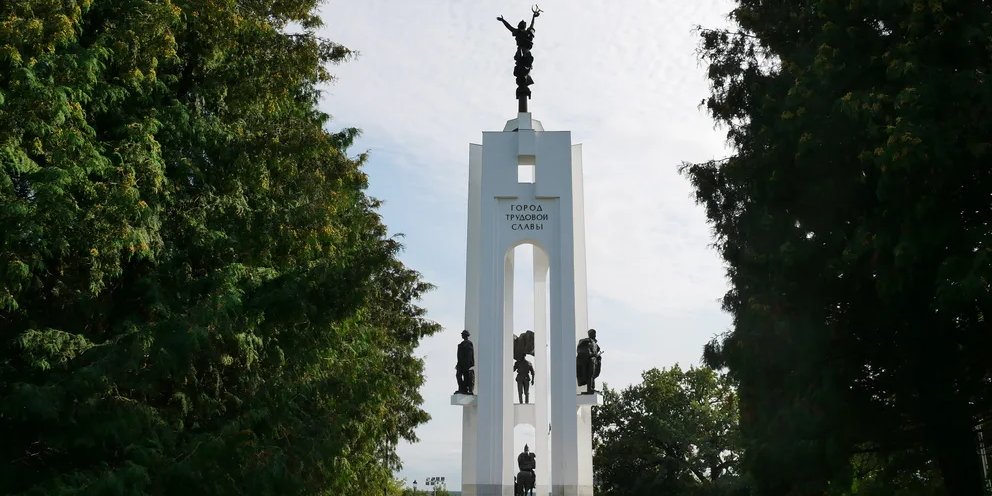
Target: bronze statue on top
588, 361
524, 59
463, 369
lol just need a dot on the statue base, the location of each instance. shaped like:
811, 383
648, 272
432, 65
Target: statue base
501, 490
486, 490
459, 399
594, 399
571, 490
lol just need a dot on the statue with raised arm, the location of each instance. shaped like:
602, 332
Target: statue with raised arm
463, 368
524, 35
588, 362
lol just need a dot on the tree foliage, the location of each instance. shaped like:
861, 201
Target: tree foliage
675, 433
854, 219
196, 292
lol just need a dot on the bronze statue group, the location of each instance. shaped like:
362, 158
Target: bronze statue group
588, 363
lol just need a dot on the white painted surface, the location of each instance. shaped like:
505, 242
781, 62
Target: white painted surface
462, 399
549, 214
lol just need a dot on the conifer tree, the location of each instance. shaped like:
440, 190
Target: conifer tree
854, 216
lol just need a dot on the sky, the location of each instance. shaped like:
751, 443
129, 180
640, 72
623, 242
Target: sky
626, 80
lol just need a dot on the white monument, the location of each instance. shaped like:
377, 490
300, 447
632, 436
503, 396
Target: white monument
525, 186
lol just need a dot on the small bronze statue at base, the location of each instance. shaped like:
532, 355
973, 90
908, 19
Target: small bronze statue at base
526, 478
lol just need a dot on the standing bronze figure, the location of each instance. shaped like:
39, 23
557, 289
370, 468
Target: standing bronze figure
588, 361
524, 35
525, 379
463, 369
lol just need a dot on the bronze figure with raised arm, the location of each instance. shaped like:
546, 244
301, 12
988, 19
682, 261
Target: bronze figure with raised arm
524, 35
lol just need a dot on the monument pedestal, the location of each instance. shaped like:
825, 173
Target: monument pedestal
595, 399
525, 187
462, 399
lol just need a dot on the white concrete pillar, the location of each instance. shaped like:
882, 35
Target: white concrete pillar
472, 298
542, 436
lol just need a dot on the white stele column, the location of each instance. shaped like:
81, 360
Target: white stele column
547, 212
542, 435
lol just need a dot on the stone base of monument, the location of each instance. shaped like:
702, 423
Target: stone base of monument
499, 490
486, 490
458, 399
569, 490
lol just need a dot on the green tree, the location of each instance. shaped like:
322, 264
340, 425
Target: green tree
854, 217
393, 487
674, 433
195, 293
905, 472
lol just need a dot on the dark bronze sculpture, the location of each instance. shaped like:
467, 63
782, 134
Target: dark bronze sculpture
524, 36
463, 369
588, 361
525, 379
526, 478
523, 345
